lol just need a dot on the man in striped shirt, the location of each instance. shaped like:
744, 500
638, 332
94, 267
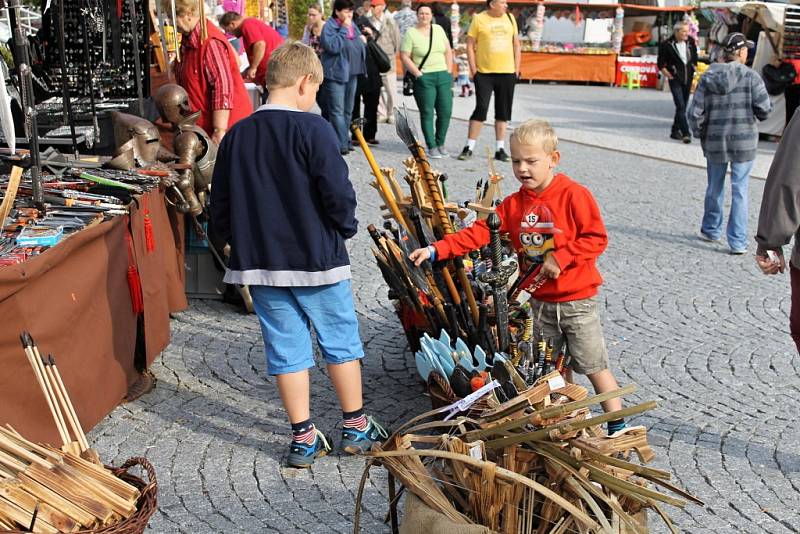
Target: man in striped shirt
209, 72
730, 97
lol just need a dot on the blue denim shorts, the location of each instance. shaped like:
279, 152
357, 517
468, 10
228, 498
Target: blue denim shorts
286, 315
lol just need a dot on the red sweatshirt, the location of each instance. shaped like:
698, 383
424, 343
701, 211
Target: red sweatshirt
581, 240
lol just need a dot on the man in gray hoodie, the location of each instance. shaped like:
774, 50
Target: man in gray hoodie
729, 99
779, 218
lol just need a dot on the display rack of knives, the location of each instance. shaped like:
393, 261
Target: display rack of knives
102, 38
791, 31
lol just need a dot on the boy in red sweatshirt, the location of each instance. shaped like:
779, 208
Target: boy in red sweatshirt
565, 306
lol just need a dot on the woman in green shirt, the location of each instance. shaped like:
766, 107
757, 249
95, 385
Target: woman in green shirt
433, 84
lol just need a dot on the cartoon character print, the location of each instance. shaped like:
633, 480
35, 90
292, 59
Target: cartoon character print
537, 234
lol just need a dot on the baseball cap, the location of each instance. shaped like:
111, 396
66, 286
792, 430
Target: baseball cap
736, 41
378, 3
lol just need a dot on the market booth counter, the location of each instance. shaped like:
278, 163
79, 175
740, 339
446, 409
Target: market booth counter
572, 41
74, 298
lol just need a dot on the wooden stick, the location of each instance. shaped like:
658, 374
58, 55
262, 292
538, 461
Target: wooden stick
33, 358
22, 453
70, 408
15, 494
43, 493
45, 453
104, 476
85, 500
62, 402
18, 515
500, 472
11, 194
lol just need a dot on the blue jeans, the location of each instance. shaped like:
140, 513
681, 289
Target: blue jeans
680, 96
339, 98
715, 195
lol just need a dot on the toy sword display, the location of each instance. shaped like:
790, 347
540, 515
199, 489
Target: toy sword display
497, 278
22, 60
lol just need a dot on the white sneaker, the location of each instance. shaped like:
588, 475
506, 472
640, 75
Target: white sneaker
433, 153
390, 119
442, 152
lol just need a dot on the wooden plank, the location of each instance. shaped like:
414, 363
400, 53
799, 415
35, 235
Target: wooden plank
13, 492
18, 515
103, 476
87, 501
75, 511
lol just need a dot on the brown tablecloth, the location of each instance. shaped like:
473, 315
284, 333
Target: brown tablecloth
75, 302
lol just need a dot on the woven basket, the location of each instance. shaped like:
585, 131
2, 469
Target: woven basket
442, 395
145, 506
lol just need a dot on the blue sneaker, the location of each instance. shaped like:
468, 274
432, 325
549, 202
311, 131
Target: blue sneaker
356, 441
302, 455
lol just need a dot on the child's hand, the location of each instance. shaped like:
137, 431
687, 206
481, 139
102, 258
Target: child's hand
419, 255
550, 268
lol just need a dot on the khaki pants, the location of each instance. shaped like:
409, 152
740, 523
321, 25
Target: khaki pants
386, 105
577, 324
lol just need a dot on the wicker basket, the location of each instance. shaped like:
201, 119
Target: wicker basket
145, 506
442, 395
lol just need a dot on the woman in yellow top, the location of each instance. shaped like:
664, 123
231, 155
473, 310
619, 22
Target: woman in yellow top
434, 81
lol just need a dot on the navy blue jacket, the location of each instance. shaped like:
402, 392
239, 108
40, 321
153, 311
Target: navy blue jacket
282, 197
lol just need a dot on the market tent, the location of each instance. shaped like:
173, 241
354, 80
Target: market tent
768, 14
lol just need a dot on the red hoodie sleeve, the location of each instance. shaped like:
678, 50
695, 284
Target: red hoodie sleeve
591, 238
471, 238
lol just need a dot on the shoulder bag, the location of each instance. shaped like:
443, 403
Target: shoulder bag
408, 78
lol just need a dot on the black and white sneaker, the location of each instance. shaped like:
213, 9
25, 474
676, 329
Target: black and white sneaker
501, 155
465, 154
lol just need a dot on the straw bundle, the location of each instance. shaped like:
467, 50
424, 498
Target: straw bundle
537, 464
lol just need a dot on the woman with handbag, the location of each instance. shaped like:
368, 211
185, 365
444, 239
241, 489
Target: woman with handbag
428, 59
370, 83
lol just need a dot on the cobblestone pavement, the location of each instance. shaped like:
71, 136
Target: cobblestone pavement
700, 331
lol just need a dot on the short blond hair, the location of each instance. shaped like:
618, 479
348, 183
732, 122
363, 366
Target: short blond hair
536, 132
290, 62
182, 7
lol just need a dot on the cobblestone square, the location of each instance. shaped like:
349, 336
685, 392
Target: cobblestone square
702, 332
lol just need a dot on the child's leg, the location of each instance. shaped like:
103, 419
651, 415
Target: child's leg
294, 391
580, 323
287, 344
346, 378
603, 382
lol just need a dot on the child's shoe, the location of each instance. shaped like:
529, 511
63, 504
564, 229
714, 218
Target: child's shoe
355, 441
303, 455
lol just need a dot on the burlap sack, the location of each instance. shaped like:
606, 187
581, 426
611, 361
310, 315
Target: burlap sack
419, 518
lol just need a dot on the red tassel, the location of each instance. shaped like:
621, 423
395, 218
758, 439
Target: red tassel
134, 281
119, 9
149, 238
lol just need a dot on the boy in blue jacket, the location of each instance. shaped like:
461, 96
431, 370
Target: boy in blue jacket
283, 200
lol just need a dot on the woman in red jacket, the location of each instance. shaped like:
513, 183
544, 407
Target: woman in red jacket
209, 71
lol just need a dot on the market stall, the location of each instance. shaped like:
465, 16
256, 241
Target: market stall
580, 42
772, 41
91, 254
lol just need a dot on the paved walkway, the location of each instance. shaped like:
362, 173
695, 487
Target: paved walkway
701, 332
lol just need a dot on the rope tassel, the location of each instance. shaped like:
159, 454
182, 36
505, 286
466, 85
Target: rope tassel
149, 237
134, 280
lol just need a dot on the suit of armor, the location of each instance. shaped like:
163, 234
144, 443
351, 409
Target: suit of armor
192, 145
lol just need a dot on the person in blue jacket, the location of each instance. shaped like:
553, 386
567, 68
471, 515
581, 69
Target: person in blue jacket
283, 200
343, 60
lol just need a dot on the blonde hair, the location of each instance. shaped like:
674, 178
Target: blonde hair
182, 7
536, 132
290, 62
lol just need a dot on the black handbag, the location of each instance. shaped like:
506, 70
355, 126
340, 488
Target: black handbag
381, 59
408, 78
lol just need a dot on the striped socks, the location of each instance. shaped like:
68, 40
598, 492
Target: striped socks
304, 432
616, 425
356, 419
